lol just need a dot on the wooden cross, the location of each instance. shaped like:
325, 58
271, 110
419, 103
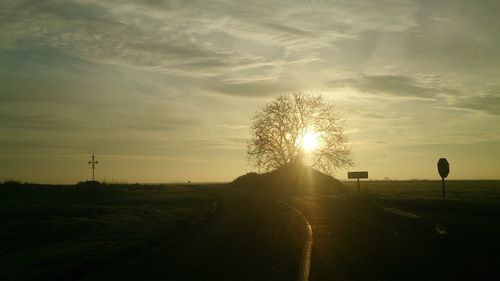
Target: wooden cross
93, 163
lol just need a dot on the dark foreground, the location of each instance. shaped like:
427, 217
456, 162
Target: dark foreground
66, 232
356, 237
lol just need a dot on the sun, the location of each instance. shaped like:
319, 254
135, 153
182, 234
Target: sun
310, 141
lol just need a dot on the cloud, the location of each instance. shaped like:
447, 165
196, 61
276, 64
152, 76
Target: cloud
488, 102
89, 32
191, 38
157, 78
162, 120
28, 120
391, 85
445, 93
252, 89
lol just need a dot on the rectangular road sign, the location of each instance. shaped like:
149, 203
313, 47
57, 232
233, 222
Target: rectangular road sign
357, 175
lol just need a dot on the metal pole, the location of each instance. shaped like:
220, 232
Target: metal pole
444, 193
358, 185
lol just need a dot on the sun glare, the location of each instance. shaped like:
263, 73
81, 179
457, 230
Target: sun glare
310, 141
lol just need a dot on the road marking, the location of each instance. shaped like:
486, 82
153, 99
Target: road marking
441, 230
402, 213
214, 207
305, 265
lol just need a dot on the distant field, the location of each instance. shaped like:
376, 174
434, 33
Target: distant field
64, 232
484, 191
467, 202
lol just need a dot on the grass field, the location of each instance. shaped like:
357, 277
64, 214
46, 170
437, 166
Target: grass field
65, 232
484, 191
474, 201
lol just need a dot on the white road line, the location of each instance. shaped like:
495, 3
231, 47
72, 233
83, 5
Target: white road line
402, 213
305, 265
214, 207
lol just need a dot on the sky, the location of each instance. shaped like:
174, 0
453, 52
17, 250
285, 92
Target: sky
163, 91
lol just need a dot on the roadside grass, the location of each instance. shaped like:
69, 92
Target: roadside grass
66, 232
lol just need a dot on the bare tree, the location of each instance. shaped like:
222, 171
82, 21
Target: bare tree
283, 129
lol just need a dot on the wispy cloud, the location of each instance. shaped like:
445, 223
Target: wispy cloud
487, 102
389, 85
139, 75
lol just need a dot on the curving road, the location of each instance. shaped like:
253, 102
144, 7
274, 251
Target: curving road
248, 238
252, 237
359, 240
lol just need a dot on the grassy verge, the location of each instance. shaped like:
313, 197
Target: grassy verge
66, 232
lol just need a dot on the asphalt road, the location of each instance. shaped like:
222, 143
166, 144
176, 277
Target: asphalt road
252, 237
356, 240
248, 238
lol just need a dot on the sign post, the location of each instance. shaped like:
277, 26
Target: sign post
444, 170
357, 175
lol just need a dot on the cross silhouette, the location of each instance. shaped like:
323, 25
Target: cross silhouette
93, 163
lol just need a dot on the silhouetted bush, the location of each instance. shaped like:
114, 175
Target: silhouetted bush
12, 183
88, 184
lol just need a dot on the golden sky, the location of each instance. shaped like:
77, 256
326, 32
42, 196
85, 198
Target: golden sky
163, 91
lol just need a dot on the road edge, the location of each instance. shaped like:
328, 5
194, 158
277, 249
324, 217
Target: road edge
305, 266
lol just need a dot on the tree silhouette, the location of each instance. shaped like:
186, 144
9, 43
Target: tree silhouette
299, 129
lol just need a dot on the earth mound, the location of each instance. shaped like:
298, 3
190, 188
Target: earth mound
294, 179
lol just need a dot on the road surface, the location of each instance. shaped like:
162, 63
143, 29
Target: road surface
252, 237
